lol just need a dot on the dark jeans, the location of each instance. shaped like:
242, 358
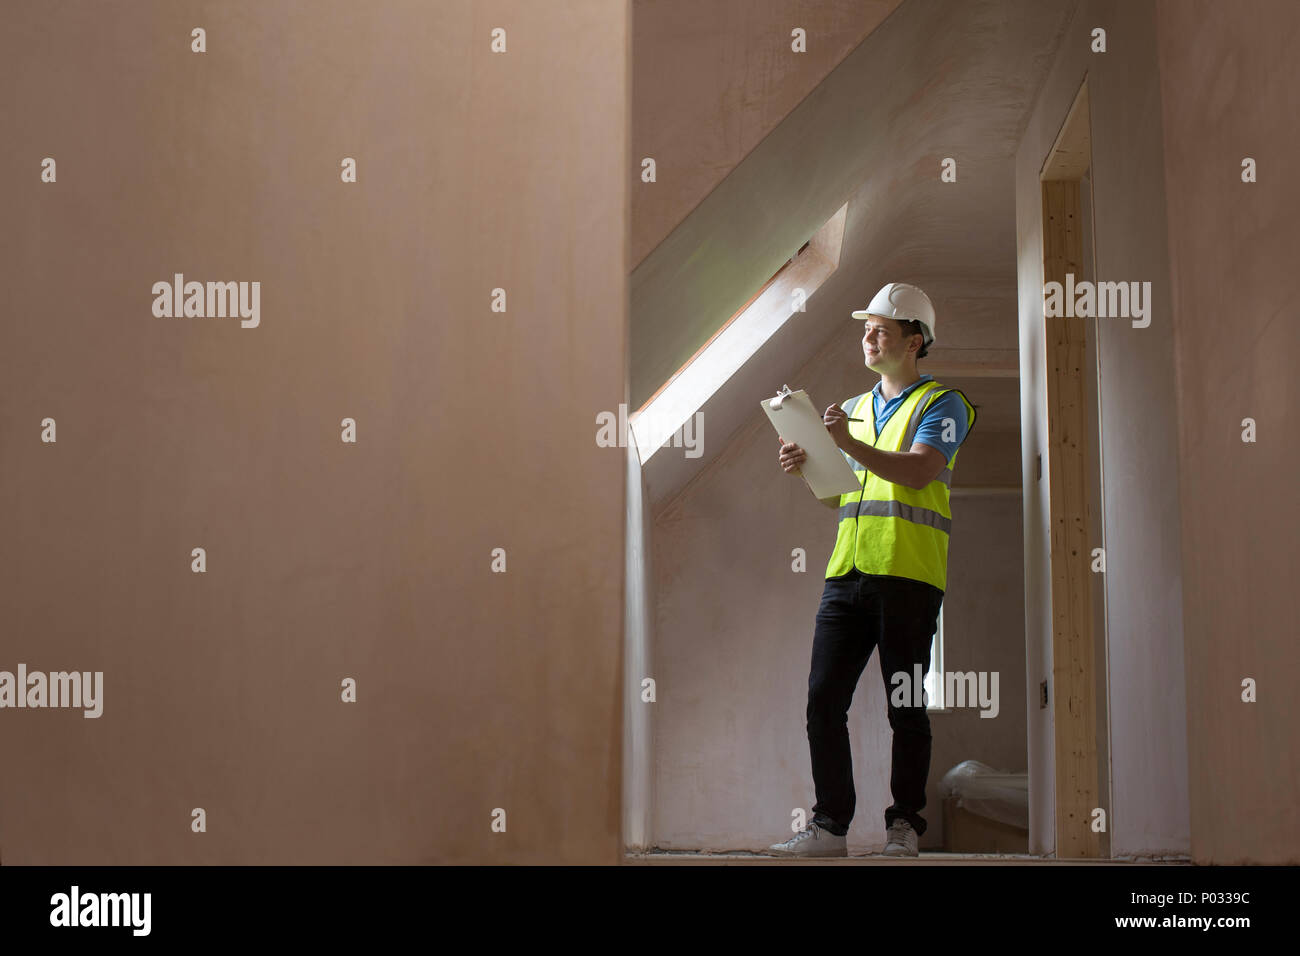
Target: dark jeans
858, 613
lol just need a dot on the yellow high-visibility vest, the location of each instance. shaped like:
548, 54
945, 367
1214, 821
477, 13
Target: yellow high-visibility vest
887, 528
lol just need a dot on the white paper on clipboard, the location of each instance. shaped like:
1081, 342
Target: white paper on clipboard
796, 420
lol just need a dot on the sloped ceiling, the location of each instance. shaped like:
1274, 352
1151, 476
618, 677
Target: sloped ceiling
711, 78
936, 79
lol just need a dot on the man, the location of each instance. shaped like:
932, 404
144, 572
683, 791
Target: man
887, 574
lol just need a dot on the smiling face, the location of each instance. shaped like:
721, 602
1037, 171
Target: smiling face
884, 346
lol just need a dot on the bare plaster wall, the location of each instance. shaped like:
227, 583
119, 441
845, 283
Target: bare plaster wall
1139, 412
1231, 89
983, 611
325, 560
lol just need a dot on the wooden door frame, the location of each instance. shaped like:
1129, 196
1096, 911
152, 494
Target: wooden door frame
1073, 689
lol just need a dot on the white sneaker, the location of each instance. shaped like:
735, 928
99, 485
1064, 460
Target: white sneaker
901, 839
813, 840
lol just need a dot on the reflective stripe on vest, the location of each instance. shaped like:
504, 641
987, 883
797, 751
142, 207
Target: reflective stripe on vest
887, 528
909, 512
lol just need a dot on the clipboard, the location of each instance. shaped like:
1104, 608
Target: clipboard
826, 471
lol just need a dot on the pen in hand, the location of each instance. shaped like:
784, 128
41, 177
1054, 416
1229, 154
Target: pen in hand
847, 419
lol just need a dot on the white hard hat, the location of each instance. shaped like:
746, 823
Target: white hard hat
904, 303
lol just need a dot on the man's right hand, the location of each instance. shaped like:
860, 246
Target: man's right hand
792, 456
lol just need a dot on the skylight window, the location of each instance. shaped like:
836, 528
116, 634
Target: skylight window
655, 423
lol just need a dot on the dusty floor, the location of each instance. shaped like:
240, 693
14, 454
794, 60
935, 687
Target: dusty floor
675, 857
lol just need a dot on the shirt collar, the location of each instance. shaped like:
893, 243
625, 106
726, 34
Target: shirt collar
924, 378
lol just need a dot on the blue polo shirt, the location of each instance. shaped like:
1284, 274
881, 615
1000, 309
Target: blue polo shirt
930, 432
